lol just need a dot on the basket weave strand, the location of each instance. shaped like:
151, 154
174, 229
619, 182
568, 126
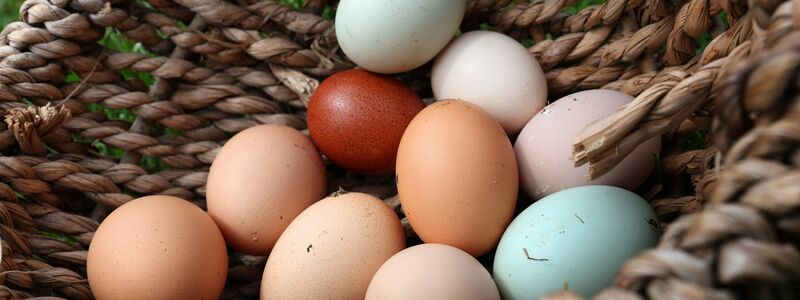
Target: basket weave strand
221, 67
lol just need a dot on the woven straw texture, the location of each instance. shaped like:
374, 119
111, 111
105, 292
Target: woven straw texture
730, 206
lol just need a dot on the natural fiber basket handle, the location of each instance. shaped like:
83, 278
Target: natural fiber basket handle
745, 242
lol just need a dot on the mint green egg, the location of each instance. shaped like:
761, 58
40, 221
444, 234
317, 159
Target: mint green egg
576, 238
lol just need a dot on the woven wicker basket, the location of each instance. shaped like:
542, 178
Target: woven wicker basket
733, 226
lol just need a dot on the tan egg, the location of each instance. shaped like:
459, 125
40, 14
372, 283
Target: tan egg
435, 272
332, 249
259, 182
157, 247
457, 176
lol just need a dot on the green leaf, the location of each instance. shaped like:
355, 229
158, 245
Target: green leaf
120, 114
527, 42
702, 42
93, 107
22, 198
694, 140
145, 4
9, 12
724, 16
163, 130
72, 77
327, 12
153, 164
105, 150
114, 40
172, 132
295, 4
60, 237
581, 5
50, 150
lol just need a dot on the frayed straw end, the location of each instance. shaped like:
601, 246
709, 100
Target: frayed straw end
30, 124
603, 163
579, 155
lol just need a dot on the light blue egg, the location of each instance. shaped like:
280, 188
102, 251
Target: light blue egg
577, 238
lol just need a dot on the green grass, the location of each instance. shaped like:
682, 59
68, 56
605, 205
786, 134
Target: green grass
702, 42
114, 40
9, 11
694, 140
121, 114
153, 164
296, 4
327, 12
581, 5
527, 42
59, 237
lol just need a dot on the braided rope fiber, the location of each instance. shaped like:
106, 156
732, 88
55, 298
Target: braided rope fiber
88, 124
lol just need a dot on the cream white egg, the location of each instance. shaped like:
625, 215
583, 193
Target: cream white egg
494, 72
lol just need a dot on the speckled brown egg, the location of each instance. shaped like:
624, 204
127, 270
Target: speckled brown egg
259, 182
357, 118
333, 249
457, 176
157, 247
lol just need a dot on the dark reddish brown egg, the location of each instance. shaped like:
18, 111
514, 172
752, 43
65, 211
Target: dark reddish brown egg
356, 118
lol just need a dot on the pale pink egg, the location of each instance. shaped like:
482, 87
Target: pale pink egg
544, 147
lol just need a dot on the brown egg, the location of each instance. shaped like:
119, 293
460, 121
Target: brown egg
259, 182
457, 176
357, 118
332, 249
157, 247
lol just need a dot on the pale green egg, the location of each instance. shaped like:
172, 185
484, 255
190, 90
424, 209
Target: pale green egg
394, 36
576, 238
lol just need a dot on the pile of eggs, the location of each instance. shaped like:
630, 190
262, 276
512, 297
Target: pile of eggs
458, 179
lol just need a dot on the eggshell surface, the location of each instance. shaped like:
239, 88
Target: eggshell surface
388, 36
494, 72
578, 238
357, 118
432, 271
333, 249
544, 147
259, 182
457, 176
157, 247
